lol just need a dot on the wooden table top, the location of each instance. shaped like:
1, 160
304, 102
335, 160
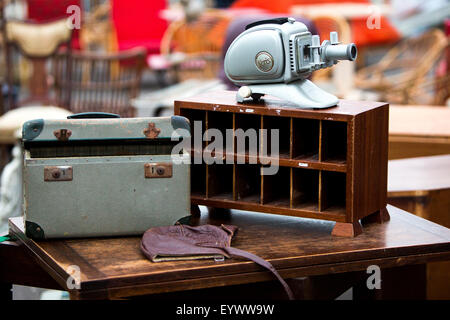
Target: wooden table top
419, 174
115, 267
419, 121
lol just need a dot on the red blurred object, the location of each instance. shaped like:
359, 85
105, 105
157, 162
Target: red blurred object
48, 10
279, 6
138, 23
362, 35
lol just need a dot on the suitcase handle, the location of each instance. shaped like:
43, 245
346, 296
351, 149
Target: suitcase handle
93, 115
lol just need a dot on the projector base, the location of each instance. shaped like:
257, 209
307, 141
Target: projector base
303, 93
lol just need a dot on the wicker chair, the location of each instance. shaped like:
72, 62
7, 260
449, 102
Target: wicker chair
407, 73
89, 82
194, 48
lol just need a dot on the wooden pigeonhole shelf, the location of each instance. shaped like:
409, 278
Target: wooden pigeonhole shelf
332, 162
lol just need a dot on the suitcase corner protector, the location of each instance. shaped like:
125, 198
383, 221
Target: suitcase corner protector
32, 129
179, 122
34, 231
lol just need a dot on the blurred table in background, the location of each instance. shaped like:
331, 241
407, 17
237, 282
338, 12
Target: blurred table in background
416, 131
422, 186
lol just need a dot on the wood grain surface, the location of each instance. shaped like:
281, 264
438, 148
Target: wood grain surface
115, 267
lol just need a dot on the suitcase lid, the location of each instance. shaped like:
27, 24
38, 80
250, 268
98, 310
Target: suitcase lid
106, 129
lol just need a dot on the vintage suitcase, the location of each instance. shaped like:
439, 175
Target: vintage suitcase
86, 177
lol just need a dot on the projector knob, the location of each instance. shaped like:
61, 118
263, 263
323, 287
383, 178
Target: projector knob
245, 92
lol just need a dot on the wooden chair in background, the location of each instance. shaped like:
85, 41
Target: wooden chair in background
97, 82
408, 70
29, 47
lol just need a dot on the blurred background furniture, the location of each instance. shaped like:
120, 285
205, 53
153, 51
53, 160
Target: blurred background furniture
416, 131
394, 79
370, 25
29, 49
36, 44
138, 23
40, 11
98, 33
99, 82
344, 69
194, 48
422, 186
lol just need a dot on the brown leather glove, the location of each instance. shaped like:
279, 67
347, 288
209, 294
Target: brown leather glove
181, 242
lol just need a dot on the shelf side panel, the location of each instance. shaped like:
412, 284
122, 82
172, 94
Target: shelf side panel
370, 159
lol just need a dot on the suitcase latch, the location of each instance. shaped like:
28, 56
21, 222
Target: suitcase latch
158, 170
58, 173
62, 134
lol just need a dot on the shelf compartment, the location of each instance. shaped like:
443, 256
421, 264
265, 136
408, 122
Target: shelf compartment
305, 139
198, 180
283, 124
334, 141
223, 122
248, 183
276, 188
332, 192
305, 189
219, 181
194, 115
247, 142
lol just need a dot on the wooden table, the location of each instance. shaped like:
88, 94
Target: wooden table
297, 247
417, 131
422, 186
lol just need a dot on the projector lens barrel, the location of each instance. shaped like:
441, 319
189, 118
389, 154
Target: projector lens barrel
341, 52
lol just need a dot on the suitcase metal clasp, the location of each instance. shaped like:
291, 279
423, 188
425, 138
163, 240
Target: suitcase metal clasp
62, 134
158, 170
58, 173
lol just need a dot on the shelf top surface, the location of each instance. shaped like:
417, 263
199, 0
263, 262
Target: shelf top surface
295, 244
225, 101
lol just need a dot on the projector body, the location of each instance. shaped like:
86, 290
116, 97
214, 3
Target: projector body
277, 56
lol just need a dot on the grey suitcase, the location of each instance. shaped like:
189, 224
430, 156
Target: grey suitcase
90, 177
